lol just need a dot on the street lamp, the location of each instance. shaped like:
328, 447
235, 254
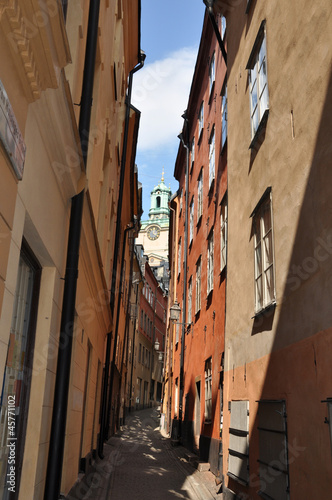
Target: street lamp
175, 311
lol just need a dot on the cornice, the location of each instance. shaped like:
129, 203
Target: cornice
37, 41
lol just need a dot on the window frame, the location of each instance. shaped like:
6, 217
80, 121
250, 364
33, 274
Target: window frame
223, 233
191, 220
258, 221
179, 255
210, 263
200, 121
255, 65
212, 74
190, 302
224, 114
208, 390
200, 195
212, 157
198, 287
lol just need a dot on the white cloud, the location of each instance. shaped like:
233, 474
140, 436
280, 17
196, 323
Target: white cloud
161, 92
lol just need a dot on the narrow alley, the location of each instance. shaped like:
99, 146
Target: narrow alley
141, 464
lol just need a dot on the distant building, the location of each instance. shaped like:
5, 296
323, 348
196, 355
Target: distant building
153, 234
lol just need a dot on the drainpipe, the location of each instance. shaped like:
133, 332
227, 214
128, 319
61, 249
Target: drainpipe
185, 143
209, 4
129, 228
122, 177
57, 438
104, 430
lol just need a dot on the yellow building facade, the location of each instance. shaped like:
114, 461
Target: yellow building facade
43, 53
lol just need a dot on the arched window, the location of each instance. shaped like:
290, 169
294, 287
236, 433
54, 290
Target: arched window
158, 201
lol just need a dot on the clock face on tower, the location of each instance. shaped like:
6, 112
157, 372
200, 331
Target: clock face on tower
153, 232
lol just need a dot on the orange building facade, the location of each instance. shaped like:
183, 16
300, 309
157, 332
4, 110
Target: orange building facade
194, 365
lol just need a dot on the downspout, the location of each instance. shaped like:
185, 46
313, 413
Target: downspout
104, 430
130, 228
185, 272
122, 177
209, 4
58, 429
126, 337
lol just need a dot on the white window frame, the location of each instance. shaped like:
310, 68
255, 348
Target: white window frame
200, 195
191, 222
212, 156
223, 234
208, 390
179, 255
224, 112
258, 82
192, 151
223, 27
212, 72
265, 294
210, 265
198, 285
201, 120
190, 302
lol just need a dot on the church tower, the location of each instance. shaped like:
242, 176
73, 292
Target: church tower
154, 231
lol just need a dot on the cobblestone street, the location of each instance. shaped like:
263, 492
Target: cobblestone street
141, 464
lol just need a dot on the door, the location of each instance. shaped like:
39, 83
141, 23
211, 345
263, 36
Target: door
14, 401
197, 429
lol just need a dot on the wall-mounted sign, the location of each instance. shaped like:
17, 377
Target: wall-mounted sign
10, 135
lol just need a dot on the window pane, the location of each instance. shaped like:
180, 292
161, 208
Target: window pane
259, 301
258, 260
269, 285
268, 253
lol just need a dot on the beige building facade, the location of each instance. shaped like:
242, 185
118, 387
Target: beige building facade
277, 399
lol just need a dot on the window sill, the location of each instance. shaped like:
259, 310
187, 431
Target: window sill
209, 294
265, 310
261, 127
223, 271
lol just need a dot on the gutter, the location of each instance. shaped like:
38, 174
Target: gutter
60, 404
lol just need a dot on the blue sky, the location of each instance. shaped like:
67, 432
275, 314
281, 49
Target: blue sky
170, 38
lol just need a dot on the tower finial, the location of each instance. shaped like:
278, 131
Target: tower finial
163, 175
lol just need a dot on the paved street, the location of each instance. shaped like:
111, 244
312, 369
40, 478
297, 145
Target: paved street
141, 464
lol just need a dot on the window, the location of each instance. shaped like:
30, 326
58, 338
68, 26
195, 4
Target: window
224, 115
238, 459
201, 120
179, 256
190, 294
192, 152
212, 160
200, 196
210, 263
273, 461
191, 225
198, 285
181, 196
258, 89
208, 390
212, 72
139, 353
158, 201
223, 234
223, 26
264, 258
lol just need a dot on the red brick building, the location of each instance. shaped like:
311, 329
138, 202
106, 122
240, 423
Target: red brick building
151, 327
199, 264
